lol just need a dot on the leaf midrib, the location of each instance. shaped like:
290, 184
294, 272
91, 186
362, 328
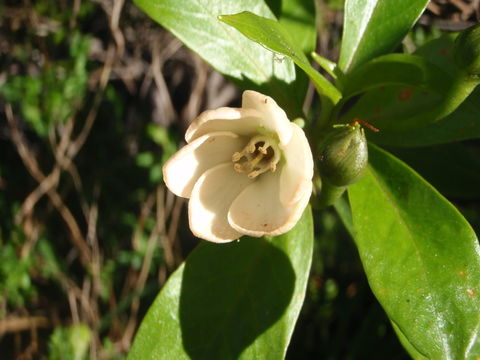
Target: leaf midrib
404, 223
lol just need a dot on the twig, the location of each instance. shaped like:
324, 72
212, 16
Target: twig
166, 104
12, 325
116, 32
142, 278
77, 144
52, 179
31, 164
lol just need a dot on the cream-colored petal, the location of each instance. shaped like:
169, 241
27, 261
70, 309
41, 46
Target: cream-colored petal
184, 168
239, 121
258, 211
274, 116
211, 198
297, 171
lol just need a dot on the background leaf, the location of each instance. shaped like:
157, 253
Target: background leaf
390, 107
375, 27
421, 257
396, 69
196, 24
237, 300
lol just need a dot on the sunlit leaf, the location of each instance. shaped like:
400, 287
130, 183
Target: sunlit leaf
231, 301
375, 27
421, 257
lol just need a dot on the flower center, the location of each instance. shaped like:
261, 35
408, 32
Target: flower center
260, 155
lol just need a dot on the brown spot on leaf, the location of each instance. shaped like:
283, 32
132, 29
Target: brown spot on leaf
405, 94
470, 292
443, 51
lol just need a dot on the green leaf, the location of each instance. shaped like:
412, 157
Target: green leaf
196, 24
329, 66
396, 69
462, 124
441, 112
406, 344
421, 257
375, 27
298, 18
272, 35
231, 301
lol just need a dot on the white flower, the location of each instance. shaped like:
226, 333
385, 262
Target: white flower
247, 171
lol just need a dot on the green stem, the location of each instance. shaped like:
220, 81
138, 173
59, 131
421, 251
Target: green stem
329, 194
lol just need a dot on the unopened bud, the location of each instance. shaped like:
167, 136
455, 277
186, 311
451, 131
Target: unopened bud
343, 155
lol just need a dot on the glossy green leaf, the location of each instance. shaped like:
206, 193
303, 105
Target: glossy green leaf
375, 27
231, 301
298, 18
196, 24
421, 257
272, 35
329, 66
462, 124
408, 116
396, 69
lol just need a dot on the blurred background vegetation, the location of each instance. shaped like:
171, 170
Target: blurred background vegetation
94, 97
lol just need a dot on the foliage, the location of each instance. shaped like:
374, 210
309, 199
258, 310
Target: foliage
93, 106
424, 275
56, 93
69, 343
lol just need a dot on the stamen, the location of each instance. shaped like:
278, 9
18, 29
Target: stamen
260, 155
253, 174
256, 160
251, 147
238, 168
236, 156
263, 149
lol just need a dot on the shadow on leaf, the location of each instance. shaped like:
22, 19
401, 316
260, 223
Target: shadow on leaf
231, 294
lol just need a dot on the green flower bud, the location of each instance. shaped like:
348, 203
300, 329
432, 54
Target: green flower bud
343, 155
467, 50
342, 161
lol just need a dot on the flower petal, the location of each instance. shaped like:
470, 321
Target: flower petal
236, 120
184, 168
274, 117
258, 211
297, 171
211, 198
